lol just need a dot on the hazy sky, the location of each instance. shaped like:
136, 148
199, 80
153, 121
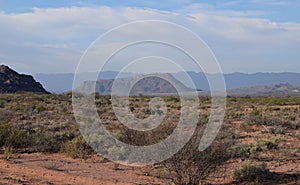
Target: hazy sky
246, 36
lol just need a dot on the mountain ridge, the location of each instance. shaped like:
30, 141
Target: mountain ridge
266, 90
13, 82
141, 84
233, 80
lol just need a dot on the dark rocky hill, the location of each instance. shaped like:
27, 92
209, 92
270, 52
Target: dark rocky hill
12, 82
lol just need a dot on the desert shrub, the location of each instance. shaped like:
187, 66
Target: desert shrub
251, 151
191, 166
12, 136
8, 151
175, 106
278, 130
33, 139
251, 172
172, 99
280, 122
273, 122
256, 112
243, 151
255, 117
236, 114
46, 142
263, 145
291, 118
245, 126
144, 138
77, 148
5, 116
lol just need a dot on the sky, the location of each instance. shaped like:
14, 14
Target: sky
247, 36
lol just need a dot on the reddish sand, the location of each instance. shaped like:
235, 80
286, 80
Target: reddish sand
57, 169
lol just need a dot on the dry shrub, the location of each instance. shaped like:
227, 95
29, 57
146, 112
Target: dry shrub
191, 166
12, 136
78, 148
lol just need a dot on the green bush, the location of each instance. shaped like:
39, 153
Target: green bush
251, 150
251, 172
46, 142
172, 99
78, 148
12, 136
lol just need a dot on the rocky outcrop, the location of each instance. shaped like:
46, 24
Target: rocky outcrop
13, 82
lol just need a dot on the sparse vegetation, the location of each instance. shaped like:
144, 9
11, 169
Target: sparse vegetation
78, 148
258, 129
252, 173
251, 150
191, 166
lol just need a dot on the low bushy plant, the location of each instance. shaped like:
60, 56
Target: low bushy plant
77, 148
251, 172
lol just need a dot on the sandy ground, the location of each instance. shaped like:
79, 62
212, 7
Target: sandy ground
47, 169
57, 169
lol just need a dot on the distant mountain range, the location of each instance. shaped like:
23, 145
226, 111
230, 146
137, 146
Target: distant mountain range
238, 84
59, 83
266, 90
141, 84
12, 82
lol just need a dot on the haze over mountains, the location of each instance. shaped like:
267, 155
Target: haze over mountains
266, 90
238, 84
63, 82
59, 83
